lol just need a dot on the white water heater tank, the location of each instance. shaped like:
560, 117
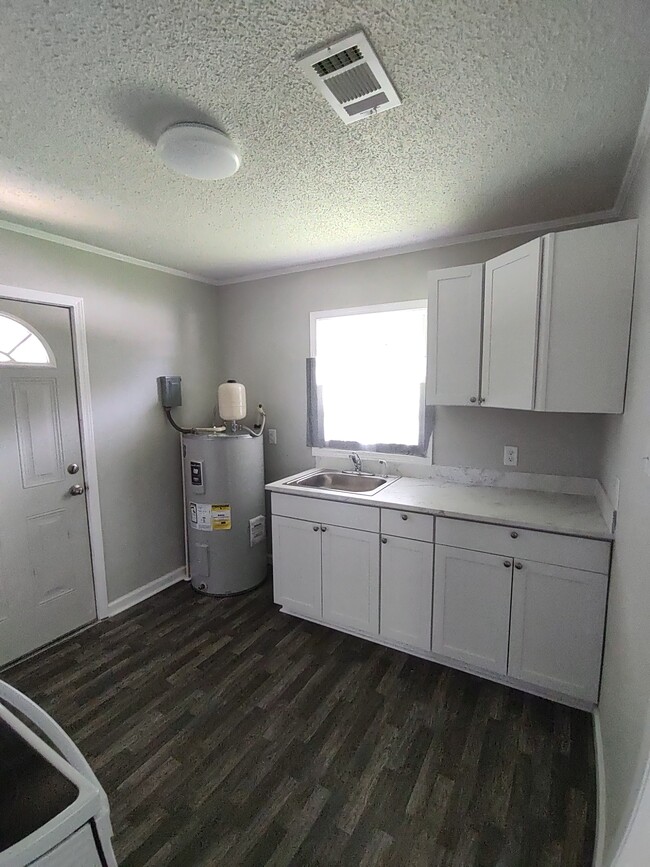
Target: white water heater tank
231, 398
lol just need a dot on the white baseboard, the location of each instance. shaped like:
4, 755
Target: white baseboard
141, 593
600, 792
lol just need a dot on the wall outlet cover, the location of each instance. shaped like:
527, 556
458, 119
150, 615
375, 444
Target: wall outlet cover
510, 456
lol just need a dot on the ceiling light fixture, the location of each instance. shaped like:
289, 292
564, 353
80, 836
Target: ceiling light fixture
198, 151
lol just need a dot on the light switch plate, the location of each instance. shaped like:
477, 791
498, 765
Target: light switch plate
273, 436
510, 456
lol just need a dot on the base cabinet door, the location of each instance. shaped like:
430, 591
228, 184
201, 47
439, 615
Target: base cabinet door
558, 618
297, 565
471, 607
406, 591
350, 560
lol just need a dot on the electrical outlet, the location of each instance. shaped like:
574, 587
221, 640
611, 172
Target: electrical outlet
273, 436
510, 456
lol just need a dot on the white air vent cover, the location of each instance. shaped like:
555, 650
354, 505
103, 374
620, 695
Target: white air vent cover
351, 78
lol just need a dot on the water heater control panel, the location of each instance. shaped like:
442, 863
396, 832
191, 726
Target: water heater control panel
196, 477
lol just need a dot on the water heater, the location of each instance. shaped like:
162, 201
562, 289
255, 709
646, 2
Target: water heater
223, 476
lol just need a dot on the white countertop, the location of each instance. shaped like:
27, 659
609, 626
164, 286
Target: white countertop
572, 514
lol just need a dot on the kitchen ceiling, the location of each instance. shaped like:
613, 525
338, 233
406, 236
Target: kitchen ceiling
512, 113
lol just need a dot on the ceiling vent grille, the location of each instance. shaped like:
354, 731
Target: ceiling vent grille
351, 78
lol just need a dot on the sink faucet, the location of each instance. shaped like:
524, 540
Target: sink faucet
356, 462
384, 467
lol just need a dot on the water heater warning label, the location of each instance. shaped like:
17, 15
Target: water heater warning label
210, 516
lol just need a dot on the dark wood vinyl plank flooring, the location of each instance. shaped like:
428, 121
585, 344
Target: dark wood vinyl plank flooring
226, 733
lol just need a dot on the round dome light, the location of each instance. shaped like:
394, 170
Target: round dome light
198, 151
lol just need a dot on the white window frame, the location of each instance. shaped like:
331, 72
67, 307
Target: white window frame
314, 316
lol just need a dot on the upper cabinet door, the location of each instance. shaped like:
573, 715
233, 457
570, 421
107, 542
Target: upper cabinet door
586, 308
454, 345
512, 290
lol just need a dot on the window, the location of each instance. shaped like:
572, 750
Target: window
366, 379
20, 345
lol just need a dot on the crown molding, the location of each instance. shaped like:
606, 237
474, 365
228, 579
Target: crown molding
642, 138
64, 241
431, 243
428, 243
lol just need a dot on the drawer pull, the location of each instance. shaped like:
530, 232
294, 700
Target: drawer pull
519, 565
507, 564
405, 517
316, 528
323, 529
384, 540
514, 535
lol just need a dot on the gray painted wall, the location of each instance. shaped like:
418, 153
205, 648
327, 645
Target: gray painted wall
264, 340
141, 323
625, 697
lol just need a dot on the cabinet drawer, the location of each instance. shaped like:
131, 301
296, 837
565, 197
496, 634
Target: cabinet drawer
326, 511
508, 541
408, 525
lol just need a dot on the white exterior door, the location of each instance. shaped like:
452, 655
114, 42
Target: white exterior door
406, 591
471, 607
351, 578
46, 585
454, 317
511, 316
454, 344
296, 565
558, 615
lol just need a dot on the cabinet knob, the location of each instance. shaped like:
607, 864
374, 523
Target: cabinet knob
405, 517
323, 529
481, 400
316, 528
514, 535
519, 565
507, 564
384, 540
472, 400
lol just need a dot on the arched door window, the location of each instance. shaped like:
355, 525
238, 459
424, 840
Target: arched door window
21, 345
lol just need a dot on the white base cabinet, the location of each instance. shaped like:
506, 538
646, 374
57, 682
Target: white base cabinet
297, 565
471, 607
521, 606
556, 632
350, 576
406, 591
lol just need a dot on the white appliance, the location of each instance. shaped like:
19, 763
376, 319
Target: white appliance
223, 485
53, 810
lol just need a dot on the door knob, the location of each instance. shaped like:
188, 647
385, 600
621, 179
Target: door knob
315, 528
73, 468
507, 564
77, 490
472, 400
519, 565
384, 540
514, 534
323, 529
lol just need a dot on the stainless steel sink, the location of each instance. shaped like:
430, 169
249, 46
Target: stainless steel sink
333, 480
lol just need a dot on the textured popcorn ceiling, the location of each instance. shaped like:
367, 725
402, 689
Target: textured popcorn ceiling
513, 112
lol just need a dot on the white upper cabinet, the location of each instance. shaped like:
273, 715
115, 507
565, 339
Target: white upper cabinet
512, 288
454, 321
586, 309
554, 329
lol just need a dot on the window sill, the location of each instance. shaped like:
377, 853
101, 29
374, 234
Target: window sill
375, 456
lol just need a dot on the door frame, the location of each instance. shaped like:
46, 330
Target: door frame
88, 454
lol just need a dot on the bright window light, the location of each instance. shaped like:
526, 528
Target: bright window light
19, 345
370, 372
